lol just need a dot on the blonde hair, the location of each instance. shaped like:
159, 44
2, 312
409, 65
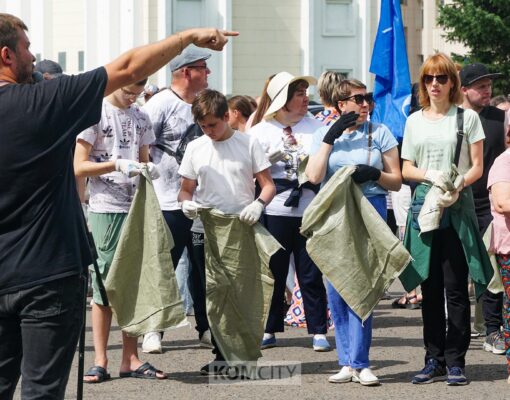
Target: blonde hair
326, 84
439, 63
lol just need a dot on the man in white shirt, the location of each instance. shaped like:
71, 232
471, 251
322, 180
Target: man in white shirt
170, 113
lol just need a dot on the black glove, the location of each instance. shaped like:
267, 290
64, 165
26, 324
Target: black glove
365, 173
345, 121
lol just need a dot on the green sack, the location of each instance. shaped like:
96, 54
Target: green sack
141, 285
351, 244
239, 284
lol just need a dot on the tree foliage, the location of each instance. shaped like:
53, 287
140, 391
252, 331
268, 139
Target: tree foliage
484, 27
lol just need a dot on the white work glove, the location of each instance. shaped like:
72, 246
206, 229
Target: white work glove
129, 168
252, 212
275, 156
153, 171
190, 209
437, 178
448, 198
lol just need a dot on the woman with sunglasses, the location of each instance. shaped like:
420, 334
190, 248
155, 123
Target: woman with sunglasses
442, 258
352, 140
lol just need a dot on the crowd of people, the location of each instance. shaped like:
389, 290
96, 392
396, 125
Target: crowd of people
222, 167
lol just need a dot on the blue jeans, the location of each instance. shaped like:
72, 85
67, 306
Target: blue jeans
39, 330
353, 339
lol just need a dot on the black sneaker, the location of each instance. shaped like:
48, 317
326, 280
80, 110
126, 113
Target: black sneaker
432, 372
214, 368
456, 377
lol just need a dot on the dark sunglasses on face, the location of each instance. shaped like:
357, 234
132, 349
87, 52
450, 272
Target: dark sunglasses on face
359, 99
441, 79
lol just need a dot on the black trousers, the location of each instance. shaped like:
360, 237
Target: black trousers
286, 231
448, 275
197, 256
180, 227
39, 330
492, 304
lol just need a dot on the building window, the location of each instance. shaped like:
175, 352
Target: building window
338, 18
62, 58
188, 14
345, 72
81, 61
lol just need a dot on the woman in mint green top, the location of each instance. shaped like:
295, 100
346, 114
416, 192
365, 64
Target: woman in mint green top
443, 257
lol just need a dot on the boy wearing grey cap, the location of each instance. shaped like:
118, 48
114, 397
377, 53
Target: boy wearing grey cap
170, 113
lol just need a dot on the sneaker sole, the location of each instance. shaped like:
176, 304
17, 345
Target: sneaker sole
321, 349
365, 383
432, 380
152, 351
457, 383
346, 380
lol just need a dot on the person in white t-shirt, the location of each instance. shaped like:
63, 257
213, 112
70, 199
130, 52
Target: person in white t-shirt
286, 136
218, 170
170, 113
110, 153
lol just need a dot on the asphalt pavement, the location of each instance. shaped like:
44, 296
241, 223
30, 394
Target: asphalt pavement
396, 355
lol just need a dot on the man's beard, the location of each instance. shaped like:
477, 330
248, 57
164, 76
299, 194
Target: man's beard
23, 75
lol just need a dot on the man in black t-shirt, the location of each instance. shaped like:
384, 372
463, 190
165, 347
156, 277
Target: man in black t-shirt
476, 84
43, 243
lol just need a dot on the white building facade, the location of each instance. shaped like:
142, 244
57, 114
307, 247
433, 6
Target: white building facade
303, 37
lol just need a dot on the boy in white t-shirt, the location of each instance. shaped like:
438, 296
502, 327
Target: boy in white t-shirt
110, 153
218, 168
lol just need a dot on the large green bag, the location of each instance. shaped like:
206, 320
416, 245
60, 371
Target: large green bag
141, 284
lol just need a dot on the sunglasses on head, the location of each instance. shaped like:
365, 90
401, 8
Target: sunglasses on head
441, 79
359, 99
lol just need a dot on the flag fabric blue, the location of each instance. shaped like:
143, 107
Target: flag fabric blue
392, 90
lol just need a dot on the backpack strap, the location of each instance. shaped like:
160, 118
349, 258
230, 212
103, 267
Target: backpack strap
460, 135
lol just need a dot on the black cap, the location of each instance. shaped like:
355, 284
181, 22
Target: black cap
471, 73
50, 67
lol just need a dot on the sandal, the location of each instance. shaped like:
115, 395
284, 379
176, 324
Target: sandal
144, 371
407, 302
101, 374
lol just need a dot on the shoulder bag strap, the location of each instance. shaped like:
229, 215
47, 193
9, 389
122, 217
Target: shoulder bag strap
369, 142
460, 135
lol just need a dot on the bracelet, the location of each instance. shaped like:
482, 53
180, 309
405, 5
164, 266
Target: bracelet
261, 201
180, 43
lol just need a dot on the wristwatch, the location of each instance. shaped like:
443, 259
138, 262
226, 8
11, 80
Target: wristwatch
261, 201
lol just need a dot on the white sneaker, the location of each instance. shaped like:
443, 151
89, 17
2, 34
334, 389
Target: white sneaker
205, 340
152, 343
365, 376
344, 376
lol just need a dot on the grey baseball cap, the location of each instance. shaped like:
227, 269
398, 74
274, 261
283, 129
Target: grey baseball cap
48, 66
190, 55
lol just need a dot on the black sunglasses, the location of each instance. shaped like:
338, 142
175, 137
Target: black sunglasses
359, 99
441, 79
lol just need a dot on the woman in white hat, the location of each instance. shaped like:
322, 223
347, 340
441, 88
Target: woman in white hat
286, 135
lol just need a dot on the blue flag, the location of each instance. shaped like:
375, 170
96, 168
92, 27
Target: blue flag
392, 91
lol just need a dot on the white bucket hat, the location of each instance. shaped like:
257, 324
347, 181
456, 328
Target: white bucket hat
278, 89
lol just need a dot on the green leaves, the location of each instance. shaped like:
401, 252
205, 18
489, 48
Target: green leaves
484, 27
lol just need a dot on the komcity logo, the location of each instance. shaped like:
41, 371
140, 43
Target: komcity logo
265, 373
